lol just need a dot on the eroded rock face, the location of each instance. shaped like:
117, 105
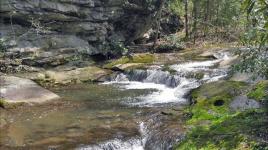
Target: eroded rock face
87, 27
14, 89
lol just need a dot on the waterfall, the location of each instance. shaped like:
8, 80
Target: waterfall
170, 87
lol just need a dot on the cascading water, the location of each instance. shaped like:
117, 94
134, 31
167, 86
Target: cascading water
130, 112
168, 89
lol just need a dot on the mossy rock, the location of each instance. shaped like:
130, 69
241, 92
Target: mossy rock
6, 105
137, 58
259, 91
213, 126
219, 88
3, 103
241, 131
212, 100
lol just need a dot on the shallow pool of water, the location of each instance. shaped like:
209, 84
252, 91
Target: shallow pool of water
100, 115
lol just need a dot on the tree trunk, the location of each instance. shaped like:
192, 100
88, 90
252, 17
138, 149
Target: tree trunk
186, 20
195, 3
159, 15
207, 17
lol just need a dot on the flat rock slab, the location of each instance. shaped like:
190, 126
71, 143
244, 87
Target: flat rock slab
14, 89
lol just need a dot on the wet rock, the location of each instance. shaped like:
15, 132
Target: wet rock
14, 89
122, 67
163, 131
160, 77
219, 88
135, 60
75, 76
137, 75
241, 103
153, 76
171, 112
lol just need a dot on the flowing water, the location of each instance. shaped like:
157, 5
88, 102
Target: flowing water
122, 114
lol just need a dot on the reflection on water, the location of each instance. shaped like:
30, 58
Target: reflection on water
99, 117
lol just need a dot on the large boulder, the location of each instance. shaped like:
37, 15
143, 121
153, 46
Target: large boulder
14, 89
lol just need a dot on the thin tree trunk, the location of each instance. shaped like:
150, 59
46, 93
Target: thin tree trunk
207, 17
186, 20
194, 19
159, 15
217, 20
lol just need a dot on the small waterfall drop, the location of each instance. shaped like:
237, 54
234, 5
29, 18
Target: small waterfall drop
170, 87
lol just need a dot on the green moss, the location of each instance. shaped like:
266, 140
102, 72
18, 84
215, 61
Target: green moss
212, 101
260, 91
138, 58
233, 132
213, 126
2, 103
205, 111
6, 105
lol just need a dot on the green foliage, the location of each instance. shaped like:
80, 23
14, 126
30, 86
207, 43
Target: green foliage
174, 40
119, 47
219, 19
170, 43
254, 56
260, 91
2, 46
176, 6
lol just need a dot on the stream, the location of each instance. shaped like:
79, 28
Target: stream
124, 113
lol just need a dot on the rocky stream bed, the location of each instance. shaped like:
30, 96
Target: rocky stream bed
147, 105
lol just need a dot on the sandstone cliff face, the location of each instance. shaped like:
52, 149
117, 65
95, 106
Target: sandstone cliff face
53, 31
88, 25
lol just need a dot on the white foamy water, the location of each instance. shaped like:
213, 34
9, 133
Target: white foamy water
197, 66
165, 94
137, 143
194, 66
116, 144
